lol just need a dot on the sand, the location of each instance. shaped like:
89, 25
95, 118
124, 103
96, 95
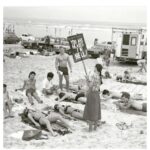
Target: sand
106, 136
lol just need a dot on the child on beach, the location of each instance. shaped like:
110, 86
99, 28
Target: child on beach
126, 102
29, 86
7, 103
48, 86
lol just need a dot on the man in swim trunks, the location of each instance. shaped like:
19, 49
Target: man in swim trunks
61, 66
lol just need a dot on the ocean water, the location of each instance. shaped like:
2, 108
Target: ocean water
55, 28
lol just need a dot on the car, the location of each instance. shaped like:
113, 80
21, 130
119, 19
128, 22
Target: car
27, 37
10, 38
99, 49
61, 42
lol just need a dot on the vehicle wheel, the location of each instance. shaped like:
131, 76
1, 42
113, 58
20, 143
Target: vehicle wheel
25, 46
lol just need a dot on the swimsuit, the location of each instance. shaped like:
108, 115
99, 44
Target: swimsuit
144, 107
30, 91
79, 95
64, 70
66, 109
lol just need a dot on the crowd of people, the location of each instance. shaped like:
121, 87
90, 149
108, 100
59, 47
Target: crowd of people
91, 96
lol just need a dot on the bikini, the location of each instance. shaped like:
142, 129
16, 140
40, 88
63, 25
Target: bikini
76, 110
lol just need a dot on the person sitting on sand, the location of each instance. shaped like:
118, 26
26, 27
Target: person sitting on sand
68, 110
7, 103
126, 76
68, 96
107, 75
39, 119
29, 86
48, 86
107, 94
126, 102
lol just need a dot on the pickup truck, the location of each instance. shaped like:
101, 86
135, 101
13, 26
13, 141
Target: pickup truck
99, 49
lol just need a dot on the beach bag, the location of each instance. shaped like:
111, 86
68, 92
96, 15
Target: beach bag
31, 134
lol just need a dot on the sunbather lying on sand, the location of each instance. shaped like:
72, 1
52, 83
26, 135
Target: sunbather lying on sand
126, 103
16, 55
127, 78
39, 119
29, 86
68, 96
7, 103
107, 94
73, 112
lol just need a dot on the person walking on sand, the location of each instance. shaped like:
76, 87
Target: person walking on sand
61, 66
92, 110
30, 87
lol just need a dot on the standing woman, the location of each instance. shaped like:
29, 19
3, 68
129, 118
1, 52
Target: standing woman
92, 110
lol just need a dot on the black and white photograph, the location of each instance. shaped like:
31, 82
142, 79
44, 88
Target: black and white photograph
75, 76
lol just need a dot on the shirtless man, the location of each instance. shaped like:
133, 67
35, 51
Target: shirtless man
61, 66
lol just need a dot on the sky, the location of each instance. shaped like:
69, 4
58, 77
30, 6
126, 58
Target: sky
128, 14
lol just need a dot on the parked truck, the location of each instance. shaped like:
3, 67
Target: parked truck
131, 44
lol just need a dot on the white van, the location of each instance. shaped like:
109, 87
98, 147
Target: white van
131, 44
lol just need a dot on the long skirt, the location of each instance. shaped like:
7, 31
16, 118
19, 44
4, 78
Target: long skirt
92, 110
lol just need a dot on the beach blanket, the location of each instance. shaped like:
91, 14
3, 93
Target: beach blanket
60, 129
135, 112
134, 82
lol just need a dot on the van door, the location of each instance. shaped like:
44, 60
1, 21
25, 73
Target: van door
125, 45
133, 45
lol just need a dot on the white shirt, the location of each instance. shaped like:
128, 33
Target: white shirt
47, 84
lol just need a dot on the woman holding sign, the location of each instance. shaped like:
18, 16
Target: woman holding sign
92, 110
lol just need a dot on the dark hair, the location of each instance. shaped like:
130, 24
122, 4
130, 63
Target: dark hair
50, 75
17, 53
105, 92
107, 75
126, 72
4, 85
26, 111
56, 107
126, 95
99, 69
61, 94
32, 72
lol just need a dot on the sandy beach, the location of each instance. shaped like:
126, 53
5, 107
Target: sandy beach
107, 136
